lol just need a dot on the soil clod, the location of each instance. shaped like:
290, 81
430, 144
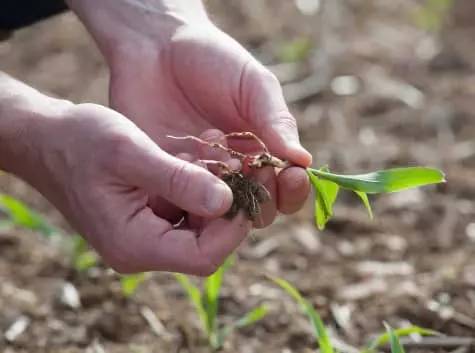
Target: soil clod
248, 194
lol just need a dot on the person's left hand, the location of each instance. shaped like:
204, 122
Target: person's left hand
203, 83
173, 72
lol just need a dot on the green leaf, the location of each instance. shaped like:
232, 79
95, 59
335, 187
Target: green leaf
22, 216
85, 261
325, 196
365, 200
384, 181
195, 296
396, 346
212, 286
251, 317
317, 323
295, 50
248, 319
384, 338
129, 283
80, 245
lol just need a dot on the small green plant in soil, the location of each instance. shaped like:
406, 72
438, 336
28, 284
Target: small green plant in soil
83, 258
430, 14
323, 338
206, 303
249, 194
20, 215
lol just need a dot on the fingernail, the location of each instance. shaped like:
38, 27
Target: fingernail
216, 197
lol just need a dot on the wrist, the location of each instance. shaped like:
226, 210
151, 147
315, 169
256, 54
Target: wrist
25, 114
136, 27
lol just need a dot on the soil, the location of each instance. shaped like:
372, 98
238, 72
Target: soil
248, 194
398, 100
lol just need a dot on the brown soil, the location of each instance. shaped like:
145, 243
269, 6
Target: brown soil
413, 264
248, 194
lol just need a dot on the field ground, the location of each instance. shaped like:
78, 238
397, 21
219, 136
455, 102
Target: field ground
396, 102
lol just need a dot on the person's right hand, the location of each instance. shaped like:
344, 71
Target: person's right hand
100, 171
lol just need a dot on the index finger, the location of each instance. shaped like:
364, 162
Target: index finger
269, 114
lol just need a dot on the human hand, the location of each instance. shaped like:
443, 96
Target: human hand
100, 171
180, 75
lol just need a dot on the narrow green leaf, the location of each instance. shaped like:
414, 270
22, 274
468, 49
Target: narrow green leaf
195, 296
251, 317
129, 283
317, 323
365, 200
80, 245
406, 331
325, 196
396, 346
248, 319
384, 181
212, 286
24, 217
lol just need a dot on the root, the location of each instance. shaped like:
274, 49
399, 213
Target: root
233, 153
248, 193
248, 136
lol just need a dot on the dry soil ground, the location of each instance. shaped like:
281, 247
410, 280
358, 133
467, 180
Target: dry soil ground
414, 264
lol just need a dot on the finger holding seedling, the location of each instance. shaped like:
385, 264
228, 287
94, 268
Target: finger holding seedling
275, 125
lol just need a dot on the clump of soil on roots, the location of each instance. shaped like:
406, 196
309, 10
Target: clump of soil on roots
248, 194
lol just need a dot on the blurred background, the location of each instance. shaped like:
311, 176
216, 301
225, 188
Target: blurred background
373, 84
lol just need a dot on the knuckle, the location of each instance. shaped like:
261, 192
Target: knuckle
116, 149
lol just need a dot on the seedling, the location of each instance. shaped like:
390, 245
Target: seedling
323, 338
206, 305
249, 194
20, 215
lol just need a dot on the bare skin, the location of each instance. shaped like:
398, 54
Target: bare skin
116, 176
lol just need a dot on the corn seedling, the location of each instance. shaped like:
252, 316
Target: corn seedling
206, 305
130, 283
19, 215
321, 335
327, 185
249, 194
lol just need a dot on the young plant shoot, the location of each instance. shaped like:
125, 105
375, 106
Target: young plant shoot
206, 305
249, 194
323, 338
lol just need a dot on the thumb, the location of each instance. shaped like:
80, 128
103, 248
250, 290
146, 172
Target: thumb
184, 184
268, 112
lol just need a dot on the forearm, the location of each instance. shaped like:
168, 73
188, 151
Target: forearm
22, 109
126, 26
